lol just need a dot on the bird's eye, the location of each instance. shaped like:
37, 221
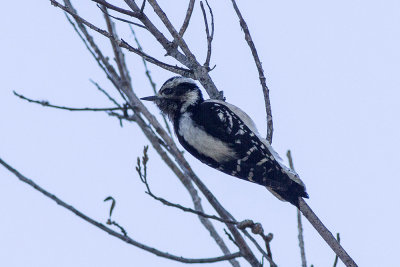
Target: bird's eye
167, 91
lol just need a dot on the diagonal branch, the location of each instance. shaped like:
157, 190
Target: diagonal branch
299, 223
105, 93
123, 44
264, 86
47, 104
265, 254
121, 19
325, 234
182, 169
177, 38
187, 18
118, 9
143, 178
148, 75
210, 36
138, 107
124, 238
199, 71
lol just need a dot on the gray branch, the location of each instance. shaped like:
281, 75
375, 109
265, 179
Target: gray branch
122, 43
325, 234
123, 237
299, 223
264, 86
187, 18
46, 103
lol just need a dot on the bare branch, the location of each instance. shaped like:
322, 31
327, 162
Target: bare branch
137, 106
264, 86
265, 255
256, 228
122, 229
92, 50
325, 233
209, 36
105, 93
118, 9
187, 18
177, 38
199, 71
142, 7
124, 238
121, 19
148, 75
119, 56
122, 43
299, 223
184, 171
143, 178
47, 104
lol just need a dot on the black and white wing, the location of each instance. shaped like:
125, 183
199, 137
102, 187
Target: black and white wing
239, 150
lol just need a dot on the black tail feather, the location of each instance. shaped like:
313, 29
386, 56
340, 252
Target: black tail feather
292, 193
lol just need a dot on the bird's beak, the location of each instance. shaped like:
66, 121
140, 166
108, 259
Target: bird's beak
150, 98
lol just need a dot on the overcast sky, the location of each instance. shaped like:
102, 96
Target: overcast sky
333, 71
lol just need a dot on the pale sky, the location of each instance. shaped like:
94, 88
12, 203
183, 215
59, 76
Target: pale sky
333, 71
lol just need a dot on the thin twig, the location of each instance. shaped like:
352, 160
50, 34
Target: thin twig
299, 223
122, 229
186, 21
131, 118
115, 8
264, 86
101, 60
47, 104
177, 38
142, 164
209, 36
186, 181
142, 7
105, 93
256, 228
123, 44
152, 83
118, 55
93, 53
336, 256
121, 19
200, 73
124, 238
265, 254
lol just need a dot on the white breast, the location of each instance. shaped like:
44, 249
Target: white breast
203, 142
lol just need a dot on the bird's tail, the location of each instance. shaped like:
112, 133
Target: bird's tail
290, 193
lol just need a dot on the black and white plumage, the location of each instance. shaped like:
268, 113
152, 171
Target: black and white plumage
224, 137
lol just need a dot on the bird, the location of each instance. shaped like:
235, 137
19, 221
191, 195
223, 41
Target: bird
225, 138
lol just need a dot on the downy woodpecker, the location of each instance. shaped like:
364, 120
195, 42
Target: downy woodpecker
224, 137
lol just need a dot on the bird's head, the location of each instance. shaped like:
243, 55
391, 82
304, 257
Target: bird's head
176, 95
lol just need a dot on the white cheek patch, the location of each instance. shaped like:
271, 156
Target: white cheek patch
203, 142
190, 98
